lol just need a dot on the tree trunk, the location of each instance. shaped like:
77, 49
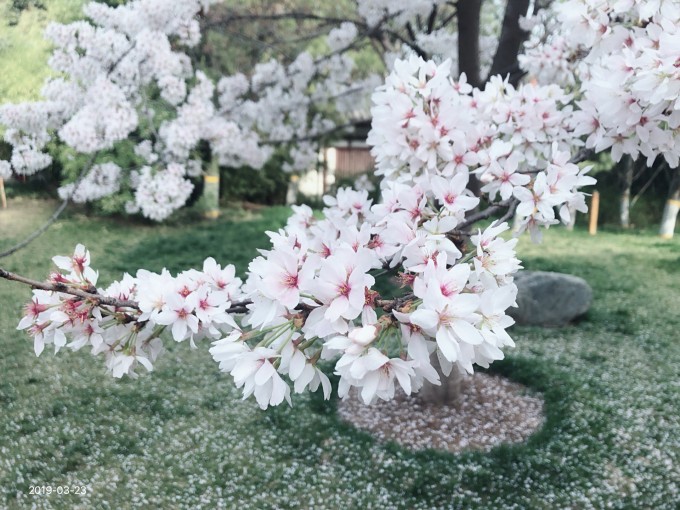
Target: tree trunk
3, 197
209, 203
626, 175
451, 389
468, 40
509, 43
572, 218
671, 209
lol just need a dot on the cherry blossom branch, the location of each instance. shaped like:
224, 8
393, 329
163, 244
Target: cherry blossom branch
486, 213
582, 155
393, 304
512, 203
236, 307
60, 287
511, 211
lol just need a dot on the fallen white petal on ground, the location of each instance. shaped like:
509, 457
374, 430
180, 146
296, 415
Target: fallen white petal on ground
492, 410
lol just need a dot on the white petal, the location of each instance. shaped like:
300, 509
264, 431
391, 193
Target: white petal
265, 372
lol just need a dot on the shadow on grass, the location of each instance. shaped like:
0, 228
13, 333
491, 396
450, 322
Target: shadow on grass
506, 461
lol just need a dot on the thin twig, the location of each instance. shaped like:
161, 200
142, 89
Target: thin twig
236, 307
391, 304
510, 212
582, 155
55, 215
486, 213
60, 287
635, 199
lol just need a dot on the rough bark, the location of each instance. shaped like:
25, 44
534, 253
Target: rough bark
451, 389
671, 209
509, 43
468, 40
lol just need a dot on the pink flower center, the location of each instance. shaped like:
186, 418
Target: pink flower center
34, 308
344, 289
79, 263
290, 281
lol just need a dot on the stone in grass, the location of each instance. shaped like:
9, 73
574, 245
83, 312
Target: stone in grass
550, 299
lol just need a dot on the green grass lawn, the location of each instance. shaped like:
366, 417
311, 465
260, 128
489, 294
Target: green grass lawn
182, 438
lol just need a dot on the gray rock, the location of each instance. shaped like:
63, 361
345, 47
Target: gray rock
550, 299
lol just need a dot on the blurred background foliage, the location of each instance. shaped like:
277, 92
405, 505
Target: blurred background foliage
233, 47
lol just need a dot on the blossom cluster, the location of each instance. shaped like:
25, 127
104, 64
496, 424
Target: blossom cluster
312, 296
115, 73
516, 141
624, 55
191, 305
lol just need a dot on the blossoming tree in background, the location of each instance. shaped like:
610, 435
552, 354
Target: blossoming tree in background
124, 78
121, 77
311, 296
622, 61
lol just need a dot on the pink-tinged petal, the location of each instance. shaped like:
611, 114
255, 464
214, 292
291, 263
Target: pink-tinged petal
297, 365
145, 363
179, 330
447, 344
59, 339
371, 383
62, 262
289, 297
464, 304
445, 365
426, 319
166, 317
25, 322
38, 345
374, 359
325, 384
401, 372
417, 349
339, 343
279, 390
265, 373
305, 378
363, 335
337, 307
192, 322
59, 317
263, 395
466, 332
242, 371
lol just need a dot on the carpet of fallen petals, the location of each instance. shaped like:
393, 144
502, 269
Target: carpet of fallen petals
492, 410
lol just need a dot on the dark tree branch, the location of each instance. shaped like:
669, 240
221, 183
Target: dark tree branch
510, 213
447, 20
94, 296
486, 213
468, 40
411, 32
432, 19
582, 155
509, 42
60, 287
